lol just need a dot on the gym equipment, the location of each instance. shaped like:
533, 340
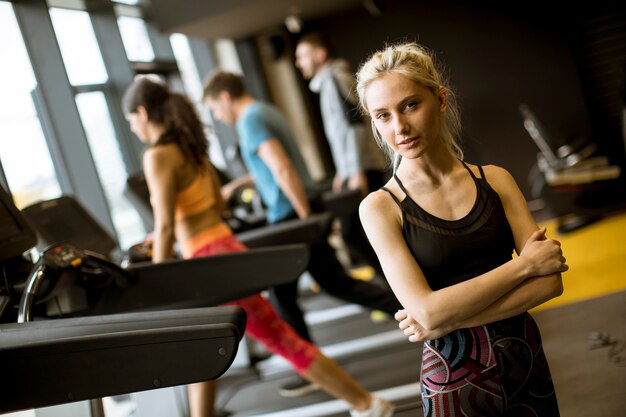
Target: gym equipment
577, 185
16, 237
574, 162
69, 281
313, 229
54, 362
64, 219
342, 203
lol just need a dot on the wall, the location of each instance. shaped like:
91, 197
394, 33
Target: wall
495, 59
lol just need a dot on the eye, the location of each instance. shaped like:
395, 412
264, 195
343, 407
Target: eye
411, 105
382, 116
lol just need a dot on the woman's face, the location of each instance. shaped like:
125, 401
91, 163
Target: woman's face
138, 122
405, 113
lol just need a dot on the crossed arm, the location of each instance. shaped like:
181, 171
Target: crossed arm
524, 282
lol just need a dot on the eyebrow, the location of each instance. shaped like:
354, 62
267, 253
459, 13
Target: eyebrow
401, 103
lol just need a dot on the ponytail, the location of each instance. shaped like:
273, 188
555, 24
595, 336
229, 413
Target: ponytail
183, 127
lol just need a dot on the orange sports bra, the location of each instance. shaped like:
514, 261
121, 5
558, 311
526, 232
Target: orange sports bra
196, 198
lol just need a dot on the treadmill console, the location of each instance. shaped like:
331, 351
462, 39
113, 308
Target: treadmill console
63, 256
16, 234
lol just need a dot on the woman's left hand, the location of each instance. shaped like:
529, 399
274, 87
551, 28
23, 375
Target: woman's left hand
415, 331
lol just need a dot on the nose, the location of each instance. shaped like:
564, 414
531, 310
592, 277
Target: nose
401, 127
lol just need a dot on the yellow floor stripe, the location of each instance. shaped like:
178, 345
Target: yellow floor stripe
596, 255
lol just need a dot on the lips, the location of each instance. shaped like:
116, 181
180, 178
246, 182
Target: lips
407, 141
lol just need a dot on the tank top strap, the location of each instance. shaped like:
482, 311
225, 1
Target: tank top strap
480, 169
392, 196
470, 171
482, 173
395, 177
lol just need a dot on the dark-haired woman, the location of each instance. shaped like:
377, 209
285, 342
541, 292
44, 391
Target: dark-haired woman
186, 201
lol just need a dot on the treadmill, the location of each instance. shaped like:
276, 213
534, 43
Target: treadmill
95, 353
53, 362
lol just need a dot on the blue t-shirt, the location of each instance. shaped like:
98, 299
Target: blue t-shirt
261, 122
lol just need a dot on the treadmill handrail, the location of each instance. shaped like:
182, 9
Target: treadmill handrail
33, 283
205, 281
66, 360
313, 229
35, 333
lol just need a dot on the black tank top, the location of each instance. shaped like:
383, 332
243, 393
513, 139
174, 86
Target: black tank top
452, 251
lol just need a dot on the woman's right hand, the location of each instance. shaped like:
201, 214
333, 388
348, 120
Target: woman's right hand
543, 256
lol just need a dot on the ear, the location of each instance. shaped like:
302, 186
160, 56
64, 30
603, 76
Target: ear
225, 97
143, 114
443, 99
321, 55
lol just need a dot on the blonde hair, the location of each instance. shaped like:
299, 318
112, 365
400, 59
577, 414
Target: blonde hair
416, 63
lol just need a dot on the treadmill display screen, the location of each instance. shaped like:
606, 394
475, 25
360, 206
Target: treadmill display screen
65, 220
8, 226
16, 236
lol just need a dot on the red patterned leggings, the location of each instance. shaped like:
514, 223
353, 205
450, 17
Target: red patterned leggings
263, 323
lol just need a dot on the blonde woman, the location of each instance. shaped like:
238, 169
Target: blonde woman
444, 231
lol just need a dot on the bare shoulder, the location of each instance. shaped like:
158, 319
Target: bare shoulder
499, 178
161, 156
378, 204
376, 199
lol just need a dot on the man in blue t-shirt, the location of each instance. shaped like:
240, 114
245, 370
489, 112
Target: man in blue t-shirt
273, 161
277, 169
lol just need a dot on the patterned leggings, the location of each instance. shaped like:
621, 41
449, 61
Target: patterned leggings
263, 324
494, 370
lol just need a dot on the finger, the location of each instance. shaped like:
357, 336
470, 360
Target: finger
400, 315
537, 235
414, 338
542, 231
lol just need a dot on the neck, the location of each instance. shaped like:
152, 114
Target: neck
322, 67
432, 167
240, 104
154, 132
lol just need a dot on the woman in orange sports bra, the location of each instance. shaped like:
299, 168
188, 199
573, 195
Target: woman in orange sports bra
186, 202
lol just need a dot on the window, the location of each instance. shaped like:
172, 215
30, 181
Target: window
96, 119
23, 149
86, 70
79, 47
135, 38
187, 66
193, 89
